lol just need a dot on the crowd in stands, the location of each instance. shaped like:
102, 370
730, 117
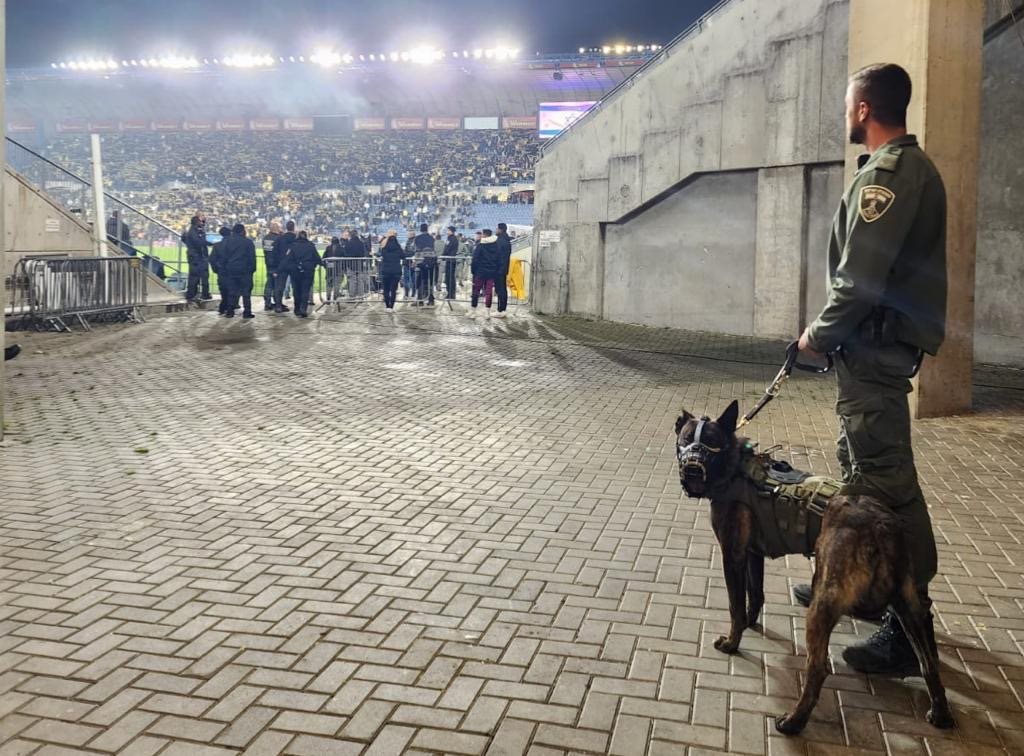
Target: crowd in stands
318, 180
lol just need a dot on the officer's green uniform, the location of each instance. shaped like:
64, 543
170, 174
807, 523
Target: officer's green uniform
886, 305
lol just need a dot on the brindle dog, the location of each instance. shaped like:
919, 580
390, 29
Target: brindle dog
861, 566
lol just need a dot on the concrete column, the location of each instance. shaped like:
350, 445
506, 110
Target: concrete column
939, 42
780, 261
3, 182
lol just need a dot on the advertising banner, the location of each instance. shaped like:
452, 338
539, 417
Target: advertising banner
193, 125
370, 124
166, 126
20, 127
519, 122
102, 127
265, 124
298, 124
135, 125
231, 124
488, 122
408, 124
71, 126
441, 124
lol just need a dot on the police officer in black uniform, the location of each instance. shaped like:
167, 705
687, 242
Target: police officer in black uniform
197, 255
300, 263
239, 264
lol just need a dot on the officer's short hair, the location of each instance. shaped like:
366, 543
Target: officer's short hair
290, 226
239, 228
886, 88
423, 228
303, 235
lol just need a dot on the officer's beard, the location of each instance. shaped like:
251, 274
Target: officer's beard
858, 134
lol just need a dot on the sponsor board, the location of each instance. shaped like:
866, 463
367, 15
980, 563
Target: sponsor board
298, 124
408, 124
370, 124
440, 124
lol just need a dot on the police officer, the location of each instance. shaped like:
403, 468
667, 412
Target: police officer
501, 279
300, 263
217, 260
195, 242
886, 308
271, 261
278, 256
239, 263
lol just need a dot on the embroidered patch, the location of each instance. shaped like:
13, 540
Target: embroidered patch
874, 201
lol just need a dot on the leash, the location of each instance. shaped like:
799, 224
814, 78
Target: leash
792, 351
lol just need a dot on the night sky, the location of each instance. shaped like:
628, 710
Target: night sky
42, 31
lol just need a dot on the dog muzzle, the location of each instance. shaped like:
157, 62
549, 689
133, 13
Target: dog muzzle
695, 461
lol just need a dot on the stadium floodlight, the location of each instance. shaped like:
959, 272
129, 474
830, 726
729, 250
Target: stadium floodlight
363, 57
372, 56
291, 58
325, 58
124, 64
478, 54
347, 58
619, 49
465, 54
394, 57
405, 56
423, 56
606, 49
582, 50
302, 59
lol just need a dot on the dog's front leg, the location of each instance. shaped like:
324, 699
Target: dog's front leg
733, 538
755, 587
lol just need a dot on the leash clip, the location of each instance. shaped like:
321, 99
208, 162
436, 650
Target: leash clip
775, 387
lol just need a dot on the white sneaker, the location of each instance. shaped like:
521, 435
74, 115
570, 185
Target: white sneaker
487, 313
471, 313
389, 309
500, 314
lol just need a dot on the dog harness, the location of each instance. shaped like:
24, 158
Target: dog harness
788, 504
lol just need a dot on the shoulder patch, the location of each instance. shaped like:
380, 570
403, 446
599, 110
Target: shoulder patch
889, 161
874, 202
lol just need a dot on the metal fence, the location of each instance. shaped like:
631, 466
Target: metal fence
425, 280
50, 292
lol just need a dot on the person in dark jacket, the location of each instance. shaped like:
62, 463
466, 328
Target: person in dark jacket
268, 256
217, 260
198, 259
391, 258
451, 252
504, 259
408, 265
239, 263
279, 256
426, 270
485, 266
300, 263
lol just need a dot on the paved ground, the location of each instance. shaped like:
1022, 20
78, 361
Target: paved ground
354, 535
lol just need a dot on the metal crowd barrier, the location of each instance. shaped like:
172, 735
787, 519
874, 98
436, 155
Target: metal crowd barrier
48, 292
356, 280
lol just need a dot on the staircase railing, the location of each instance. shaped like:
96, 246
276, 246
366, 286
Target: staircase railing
160, 245
628, 83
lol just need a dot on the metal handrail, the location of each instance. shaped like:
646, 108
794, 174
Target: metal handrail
106, 194
629, 81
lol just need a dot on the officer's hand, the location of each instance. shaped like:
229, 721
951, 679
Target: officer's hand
804, 346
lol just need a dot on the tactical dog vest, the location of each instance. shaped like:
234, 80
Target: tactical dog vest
787, 504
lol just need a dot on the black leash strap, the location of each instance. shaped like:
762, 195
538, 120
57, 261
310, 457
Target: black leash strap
792, 352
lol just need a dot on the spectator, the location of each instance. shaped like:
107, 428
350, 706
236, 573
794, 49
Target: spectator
301, 262
391, 258
269, 288
485, 266
450, 252
279, 257
426, 267
217, 259
239, 263
198, 259
408, 266
504, 260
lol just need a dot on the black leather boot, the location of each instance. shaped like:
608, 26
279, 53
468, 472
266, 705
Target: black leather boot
803, 593
886, 652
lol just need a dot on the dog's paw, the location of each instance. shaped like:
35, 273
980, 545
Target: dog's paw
726, 645
787, 724
941, 718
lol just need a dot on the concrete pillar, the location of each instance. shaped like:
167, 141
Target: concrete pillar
780, 265
3, 231
939, 42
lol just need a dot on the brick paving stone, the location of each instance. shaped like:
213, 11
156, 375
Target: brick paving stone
464, 538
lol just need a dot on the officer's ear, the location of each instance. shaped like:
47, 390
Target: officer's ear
727, 422
683, 419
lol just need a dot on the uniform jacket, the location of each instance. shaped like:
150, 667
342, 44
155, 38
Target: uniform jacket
486, 258
888, 251
217, 257
239, 256
277, 254
301, 258
354, 247
268, 247
424, 244
451, 246
195, 241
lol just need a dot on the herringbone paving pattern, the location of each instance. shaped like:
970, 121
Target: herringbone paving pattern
358, 535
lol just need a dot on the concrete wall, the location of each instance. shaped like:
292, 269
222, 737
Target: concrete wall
689, 261
999, 276
640, 194
756, 95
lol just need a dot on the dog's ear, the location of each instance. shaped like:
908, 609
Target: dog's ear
683, 419
730, 417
